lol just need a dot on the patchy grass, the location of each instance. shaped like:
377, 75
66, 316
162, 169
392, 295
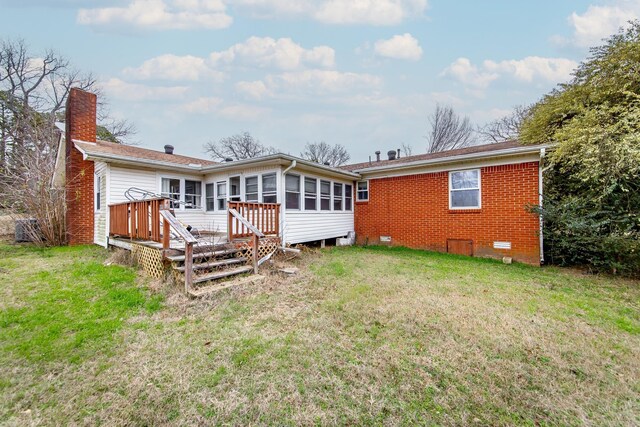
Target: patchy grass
360, 336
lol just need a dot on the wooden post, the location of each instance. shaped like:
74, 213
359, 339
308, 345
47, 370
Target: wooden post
256, 246
188, 266
166, 234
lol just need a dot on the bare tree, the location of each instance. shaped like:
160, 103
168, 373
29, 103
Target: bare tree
323, 153
506, 128
33, 94
237, 147
448, 130
406, 149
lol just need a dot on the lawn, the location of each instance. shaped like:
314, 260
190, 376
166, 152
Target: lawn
359, 336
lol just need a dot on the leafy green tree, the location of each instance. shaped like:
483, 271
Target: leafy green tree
592, 191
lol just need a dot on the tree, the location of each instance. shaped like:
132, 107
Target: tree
33, 95
448, 130
592, 190
323, 153
237, 147
506, 128
406, 149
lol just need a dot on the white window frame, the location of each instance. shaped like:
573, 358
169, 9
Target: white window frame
97, 193
179, 202
257, 192
208, 196
334, 199
224, 197
347, 196
451, 190
196, 196
328, 196
358, 199
272, 193
313, 196
300, 192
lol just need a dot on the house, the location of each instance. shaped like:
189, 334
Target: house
472, 201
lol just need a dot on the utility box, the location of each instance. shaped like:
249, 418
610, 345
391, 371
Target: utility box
26, 230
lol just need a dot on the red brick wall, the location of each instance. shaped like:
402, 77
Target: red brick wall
414, 211
80, 124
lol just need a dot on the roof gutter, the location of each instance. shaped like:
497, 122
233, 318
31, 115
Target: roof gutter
455, 159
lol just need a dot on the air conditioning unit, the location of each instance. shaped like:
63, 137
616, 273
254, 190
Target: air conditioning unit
26, 229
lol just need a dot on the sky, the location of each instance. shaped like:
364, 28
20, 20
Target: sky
362, 73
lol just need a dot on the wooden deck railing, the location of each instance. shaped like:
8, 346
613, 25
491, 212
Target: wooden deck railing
137, 220
263, 216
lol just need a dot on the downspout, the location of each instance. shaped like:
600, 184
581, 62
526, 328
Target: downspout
540, 190
283, 207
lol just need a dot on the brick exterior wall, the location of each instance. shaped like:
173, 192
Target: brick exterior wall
414, 211
80, 124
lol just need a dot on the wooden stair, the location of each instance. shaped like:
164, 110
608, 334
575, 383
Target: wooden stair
210, 266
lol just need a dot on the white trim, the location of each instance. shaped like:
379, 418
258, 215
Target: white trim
534, 149
451, 189
469, 164
97, 184
358, 199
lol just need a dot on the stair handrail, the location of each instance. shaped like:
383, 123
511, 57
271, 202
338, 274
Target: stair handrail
170, 221
246, 223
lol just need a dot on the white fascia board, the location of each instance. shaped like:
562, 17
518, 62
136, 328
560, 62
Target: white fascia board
454, 159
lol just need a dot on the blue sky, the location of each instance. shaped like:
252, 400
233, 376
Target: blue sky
362, 73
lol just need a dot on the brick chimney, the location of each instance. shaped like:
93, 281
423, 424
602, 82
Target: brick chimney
80, 124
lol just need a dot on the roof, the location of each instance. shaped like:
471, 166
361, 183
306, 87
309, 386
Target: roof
109, 149
486, 148
136, 156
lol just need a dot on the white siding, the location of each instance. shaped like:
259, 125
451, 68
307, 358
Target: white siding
124, 178
100, 217
306, 226
309, 226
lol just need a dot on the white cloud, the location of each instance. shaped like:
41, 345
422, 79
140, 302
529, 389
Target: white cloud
283, 54
202, 105
215, 105
322, 81
256, 89
309, 82
173, 67
160, 15
375, 12
599, 22
399, 47
464, 71
529, 69
120, 89
372, 12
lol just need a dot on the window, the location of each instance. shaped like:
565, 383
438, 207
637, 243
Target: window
310, 194
171, 190
292, 191
192, 194
363, 191
348, 197
325, 195
337, 196
251, 189
221, 196
269, 188
210, 197
234, 187
98, 201
464, 189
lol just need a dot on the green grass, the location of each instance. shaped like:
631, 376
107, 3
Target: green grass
361, 336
